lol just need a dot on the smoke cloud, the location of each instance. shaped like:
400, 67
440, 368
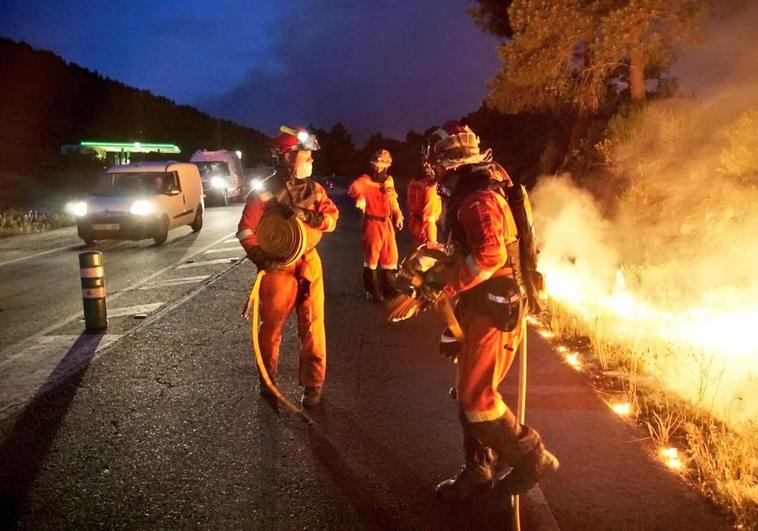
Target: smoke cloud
672, 270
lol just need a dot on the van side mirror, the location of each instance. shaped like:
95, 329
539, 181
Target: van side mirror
173, 191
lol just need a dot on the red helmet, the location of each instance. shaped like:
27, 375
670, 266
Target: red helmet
293, 139
382, 156
453, 145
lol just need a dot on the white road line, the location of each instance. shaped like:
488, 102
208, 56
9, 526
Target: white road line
237, 249
35, 255
131, 310
8, 352
202, 263
539, 510
44, 362
175, 282
233, 240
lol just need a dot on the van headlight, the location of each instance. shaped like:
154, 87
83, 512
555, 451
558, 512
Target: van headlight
218, 183
256, 184
77, 208
141, 207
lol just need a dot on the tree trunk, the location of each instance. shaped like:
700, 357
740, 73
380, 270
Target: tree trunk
637, 74
581, 124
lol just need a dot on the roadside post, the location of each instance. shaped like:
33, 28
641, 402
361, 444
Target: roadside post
93, 290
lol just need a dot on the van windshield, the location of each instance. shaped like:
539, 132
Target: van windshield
212, 169
133, 183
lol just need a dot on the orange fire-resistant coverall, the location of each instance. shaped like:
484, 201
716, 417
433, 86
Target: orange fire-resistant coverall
424, 209
485, 225
300, 286
378, 201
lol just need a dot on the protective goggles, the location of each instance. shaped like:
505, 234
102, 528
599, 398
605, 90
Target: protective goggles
306, 141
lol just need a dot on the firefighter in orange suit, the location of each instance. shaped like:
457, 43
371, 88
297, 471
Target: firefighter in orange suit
488, 280
300, 285
424, 208
376, 197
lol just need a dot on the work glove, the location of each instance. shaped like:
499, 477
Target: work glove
286, 211
262, 260
450, 347
434, 278
312, 217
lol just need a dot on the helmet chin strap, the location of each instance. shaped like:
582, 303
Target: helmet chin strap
379, 176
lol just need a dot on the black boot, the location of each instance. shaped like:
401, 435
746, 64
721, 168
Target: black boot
519, 446
388, 283
475, 477
371, 284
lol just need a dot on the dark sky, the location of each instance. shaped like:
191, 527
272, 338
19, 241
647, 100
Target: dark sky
385, 65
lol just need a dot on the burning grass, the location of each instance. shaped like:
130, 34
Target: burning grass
718, 459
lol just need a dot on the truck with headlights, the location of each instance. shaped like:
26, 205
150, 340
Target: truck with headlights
139, 201
222, 174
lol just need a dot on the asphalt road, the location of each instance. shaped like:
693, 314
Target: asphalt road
40, 293
163, 427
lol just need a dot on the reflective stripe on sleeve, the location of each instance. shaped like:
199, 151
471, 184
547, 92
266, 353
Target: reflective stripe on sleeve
244, 234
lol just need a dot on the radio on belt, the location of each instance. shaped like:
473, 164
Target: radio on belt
93, 290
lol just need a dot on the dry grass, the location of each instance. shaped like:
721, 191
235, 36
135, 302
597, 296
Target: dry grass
14, 222
720, 460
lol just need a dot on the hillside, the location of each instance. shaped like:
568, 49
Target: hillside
46, 102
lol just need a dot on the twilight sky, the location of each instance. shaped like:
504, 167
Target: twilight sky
383, 65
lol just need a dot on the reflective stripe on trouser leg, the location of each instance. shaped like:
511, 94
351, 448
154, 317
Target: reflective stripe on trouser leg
486, 355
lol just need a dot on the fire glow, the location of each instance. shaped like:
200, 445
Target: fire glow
671, 458
573, 360
623, 409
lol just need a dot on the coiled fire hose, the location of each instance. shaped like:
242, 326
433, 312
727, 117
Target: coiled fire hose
252, 308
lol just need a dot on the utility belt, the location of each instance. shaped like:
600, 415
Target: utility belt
500, 298
370, 217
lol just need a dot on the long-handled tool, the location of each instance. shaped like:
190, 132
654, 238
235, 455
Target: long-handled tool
520, 415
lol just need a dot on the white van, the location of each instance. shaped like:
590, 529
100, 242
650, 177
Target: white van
222, 174
141, 200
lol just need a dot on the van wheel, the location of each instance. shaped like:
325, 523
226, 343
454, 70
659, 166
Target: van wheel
197, 223
162, 235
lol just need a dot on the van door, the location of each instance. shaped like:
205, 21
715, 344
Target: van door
193, 187
182, 210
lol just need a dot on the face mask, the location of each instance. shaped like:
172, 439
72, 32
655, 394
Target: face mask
303, 171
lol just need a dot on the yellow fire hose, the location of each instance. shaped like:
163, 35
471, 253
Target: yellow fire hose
520, 415
253, 304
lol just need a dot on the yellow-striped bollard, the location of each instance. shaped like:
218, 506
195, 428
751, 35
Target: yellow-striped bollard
93, 290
